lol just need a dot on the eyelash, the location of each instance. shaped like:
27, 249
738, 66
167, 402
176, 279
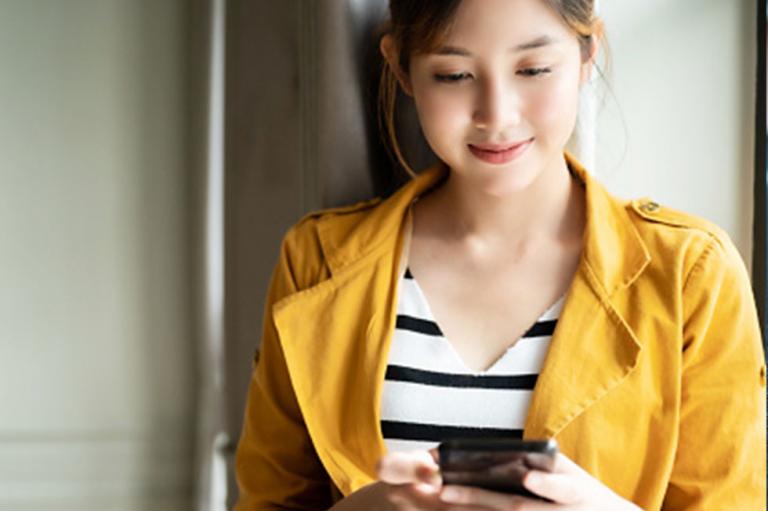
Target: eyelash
457, 77
535, 71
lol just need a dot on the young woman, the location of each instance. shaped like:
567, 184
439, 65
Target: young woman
627, 330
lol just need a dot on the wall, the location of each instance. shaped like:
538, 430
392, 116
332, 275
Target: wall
679, 126
97, 335
96, 352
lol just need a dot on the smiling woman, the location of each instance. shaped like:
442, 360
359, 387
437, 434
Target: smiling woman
424, 30
487, 65
504, 293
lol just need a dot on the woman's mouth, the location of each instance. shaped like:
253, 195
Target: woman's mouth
498, 154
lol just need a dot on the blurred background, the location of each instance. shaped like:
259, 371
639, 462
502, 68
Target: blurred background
153, 152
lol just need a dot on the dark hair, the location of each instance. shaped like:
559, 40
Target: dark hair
421, 26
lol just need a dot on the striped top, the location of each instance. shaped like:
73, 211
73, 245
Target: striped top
429, 393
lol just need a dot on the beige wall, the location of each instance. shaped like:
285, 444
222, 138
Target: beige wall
96, 354
684, 84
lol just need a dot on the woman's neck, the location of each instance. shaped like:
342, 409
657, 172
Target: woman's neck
550, 210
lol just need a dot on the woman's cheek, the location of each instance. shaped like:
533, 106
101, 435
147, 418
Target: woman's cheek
554, 108
441, 115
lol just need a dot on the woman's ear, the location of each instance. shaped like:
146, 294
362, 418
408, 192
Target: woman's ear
590, 62
391, 54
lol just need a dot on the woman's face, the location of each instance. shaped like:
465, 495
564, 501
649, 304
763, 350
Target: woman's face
508, 75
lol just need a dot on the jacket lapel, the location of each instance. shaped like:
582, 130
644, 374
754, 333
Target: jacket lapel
592, 349
337, 362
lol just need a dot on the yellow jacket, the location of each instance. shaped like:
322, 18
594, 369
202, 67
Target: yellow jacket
654, 381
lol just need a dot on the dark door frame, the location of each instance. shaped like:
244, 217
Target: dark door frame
760, 225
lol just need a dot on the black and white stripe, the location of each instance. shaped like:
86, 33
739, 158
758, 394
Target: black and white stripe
430, 394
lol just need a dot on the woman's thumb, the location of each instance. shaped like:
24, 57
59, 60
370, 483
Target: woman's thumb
409, 467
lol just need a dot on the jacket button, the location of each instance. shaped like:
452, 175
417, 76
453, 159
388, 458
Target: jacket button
649, 207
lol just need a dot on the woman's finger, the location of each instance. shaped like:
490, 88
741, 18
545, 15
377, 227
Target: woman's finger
559, 488
435, 453
470, 496
408, 467
565, 465
409, 496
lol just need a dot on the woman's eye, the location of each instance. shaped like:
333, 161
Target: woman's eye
534, 71
451, 78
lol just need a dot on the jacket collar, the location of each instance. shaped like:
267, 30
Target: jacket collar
613, 249
593, 348
344, 245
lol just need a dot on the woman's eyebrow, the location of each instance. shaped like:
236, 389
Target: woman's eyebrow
530, 45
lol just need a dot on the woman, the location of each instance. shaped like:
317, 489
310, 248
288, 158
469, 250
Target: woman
652, 381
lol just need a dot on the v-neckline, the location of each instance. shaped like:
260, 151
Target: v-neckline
405, 267
450, 346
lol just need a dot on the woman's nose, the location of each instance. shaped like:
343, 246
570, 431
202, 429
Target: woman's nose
497, 106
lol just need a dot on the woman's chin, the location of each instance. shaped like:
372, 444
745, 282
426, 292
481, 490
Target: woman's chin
502, 181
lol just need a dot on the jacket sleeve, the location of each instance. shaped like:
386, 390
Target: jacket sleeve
721, 455
276, 464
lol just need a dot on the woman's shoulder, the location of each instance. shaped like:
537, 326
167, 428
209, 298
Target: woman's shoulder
354, 228
651, 215
671, 234
310, 227
343, 212
307, 247
316, 244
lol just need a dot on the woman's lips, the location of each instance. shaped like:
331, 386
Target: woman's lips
498, 154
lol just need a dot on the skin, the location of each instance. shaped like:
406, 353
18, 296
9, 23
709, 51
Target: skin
496, 225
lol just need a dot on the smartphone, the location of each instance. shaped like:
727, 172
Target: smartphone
495, 464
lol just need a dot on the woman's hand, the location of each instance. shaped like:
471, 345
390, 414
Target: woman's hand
411, 481
407, 482
568, 486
